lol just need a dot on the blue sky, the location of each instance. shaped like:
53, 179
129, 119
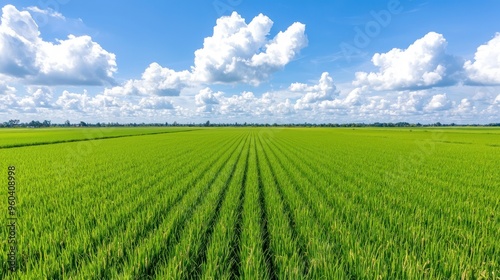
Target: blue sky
250, 61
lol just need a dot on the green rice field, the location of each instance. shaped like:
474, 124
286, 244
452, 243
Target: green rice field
251, 203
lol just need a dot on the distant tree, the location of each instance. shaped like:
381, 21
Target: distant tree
67, 123
13, 123
46, 123
34, 123
82, 123
207, 123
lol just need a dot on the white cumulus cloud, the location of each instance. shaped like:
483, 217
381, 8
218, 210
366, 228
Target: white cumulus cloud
73, 101
206, 100
8, 98
73, 61
38, 98
324, 90
352, 99
156, 80
423, 64
156, 103
464, 107
438, 102
241, 52
485, 69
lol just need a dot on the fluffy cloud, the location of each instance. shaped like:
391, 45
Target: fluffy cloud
74, 61
323, 90
105, 106
101, 101
18, 37
245, 104
464, 107
73, 101
280, 51
241, 52
206, 100
410, 103
485, 70
83, 102
325, 86
352, 99
8, 98
38, 98
77, 60
423, 64
438, 102
156, 103
155, 80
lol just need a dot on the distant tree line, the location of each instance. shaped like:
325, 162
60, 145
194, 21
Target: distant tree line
48, 123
